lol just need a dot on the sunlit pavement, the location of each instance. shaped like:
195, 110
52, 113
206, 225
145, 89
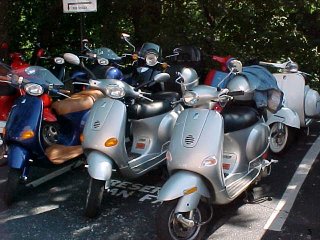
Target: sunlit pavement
54, 210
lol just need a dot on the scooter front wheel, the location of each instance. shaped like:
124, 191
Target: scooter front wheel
170, 228
3, 150
94, 197
281, 137
11, 188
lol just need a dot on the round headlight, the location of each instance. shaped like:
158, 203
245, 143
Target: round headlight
151, 59
33, 89
59, 60
190, 98
103, 61
115, 91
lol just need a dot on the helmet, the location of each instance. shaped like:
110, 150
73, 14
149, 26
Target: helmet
113, 73
240, 83
190, 78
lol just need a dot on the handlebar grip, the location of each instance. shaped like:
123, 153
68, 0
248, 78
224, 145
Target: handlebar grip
64, 91
236, 93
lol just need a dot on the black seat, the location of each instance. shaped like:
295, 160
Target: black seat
239, 117
161, 104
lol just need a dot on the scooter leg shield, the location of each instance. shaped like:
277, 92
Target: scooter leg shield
17, 157
99, 166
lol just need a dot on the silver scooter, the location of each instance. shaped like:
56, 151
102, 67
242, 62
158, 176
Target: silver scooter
212, 158
302, 106
126, 131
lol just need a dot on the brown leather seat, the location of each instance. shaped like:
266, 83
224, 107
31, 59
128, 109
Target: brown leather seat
77, 102
59, 154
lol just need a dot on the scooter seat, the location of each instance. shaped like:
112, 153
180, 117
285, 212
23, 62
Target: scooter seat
161, 104
59, 154
239, 117
77, 102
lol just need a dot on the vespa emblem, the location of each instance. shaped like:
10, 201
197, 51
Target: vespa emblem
196, 116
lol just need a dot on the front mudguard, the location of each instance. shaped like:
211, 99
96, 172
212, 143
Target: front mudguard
286, 116
175, 188
17, 157
99, 166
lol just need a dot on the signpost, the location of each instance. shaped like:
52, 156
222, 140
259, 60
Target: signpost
80, 6
75, 6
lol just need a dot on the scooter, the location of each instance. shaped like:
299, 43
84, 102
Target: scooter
302, 106
128, 131
8, 93
41, 132
214, 157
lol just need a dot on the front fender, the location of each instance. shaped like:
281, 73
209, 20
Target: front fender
176, 185
99, 166
286, 116
17, 156
180, 181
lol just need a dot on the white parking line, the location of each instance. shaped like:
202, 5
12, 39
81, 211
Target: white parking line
280, 214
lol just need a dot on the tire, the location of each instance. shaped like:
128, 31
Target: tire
280, 141
12, 185
49, 133
168, 228
3, 150
94, 197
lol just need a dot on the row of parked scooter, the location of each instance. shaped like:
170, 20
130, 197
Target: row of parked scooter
213, 138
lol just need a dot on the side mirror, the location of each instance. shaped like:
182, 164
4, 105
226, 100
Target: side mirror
71, 58
234, 66
161, 77
126, 37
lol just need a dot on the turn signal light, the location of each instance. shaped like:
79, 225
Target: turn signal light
4, 132
81, 138
135, 56
190, 190
26, 134
111, 142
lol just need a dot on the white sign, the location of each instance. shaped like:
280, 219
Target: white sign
75, 6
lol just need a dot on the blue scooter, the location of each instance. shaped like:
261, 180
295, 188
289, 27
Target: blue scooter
41, 133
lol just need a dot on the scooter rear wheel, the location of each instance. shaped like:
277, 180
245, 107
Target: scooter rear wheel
94, 197
169, 228
11, 188
280, 141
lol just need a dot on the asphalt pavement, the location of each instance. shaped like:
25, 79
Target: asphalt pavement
54, 210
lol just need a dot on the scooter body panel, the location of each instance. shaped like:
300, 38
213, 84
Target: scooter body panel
286, 116
293, 87
197, 136
199, 145
107, 119
312, 103
26, 115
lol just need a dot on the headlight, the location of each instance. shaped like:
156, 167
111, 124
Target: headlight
115, 91
190, 98
33, 89
59, 60
151, 59
103, 61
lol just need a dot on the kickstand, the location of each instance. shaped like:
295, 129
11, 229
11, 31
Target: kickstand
255, 195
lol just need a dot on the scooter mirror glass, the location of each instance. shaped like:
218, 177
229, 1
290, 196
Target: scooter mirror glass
234, 66
125, 35
71, 58
161, 77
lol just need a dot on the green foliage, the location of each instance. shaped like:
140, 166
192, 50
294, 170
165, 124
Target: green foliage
250, 30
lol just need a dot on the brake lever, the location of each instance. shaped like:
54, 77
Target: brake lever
146, 98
